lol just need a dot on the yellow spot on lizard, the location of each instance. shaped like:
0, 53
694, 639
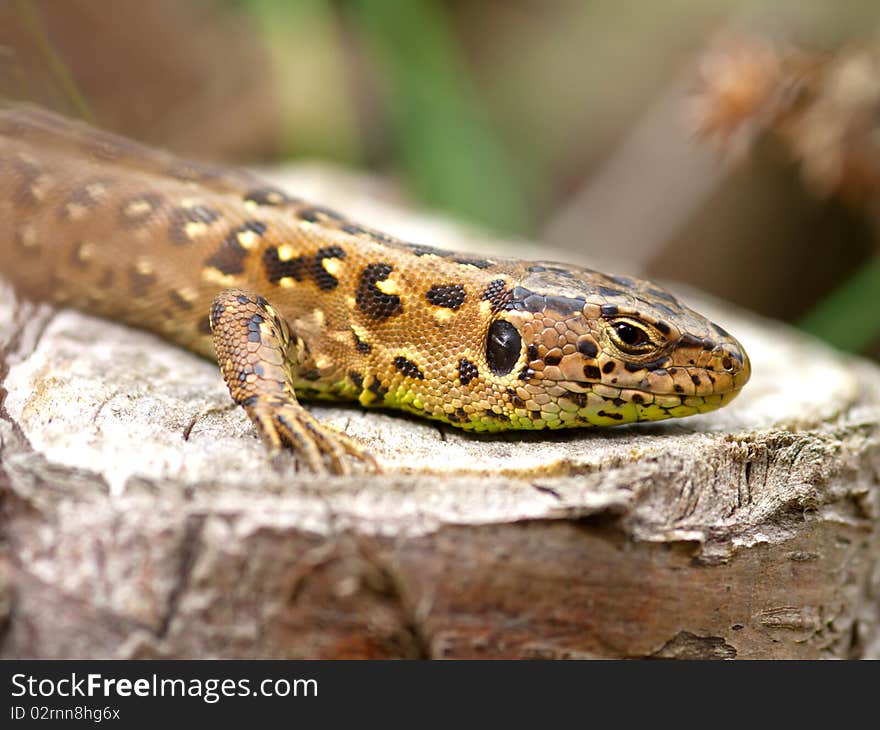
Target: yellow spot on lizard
285, 252
248, 239
388, 286
332, 265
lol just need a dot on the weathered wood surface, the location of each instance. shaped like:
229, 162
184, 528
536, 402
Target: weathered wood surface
140, 518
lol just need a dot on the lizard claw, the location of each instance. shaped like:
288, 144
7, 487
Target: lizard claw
285, 424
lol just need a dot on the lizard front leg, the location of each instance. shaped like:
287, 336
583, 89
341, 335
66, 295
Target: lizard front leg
253, 345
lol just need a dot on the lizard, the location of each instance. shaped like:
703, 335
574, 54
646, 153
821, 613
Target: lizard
297, 302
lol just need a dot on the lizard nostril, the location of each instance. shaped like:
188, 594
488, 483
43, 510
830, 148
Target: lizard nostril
729, 359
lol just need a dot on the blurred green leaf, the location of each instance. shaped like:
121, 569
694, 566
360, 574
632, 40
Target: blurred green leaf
450, 154
309, 63
849, 319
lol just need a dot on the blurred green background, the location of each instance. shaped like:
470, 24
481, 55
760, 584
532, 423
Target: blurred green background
563, 122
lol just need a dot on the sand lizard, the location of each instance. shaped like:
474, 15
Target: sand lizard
296, 301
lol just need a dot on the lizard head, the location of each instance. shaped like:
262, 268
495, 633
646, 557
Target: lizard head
582, 348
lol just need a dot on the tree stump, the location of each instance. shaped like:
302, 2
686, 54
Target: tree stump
140, 517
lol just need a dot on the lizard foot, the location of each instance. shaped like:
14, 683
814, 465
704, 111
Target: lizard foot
284, 424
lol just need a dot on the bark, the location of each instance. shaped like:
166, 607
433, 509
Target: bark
140, 517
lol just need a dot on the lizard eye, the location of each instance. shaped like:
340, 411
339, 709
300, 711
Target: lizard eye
503, 347
631, 338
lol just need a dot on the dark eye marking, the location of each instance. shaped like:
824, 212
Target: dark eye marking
503, 347
497, 293
408, 368
467, 371
588, 348
371, 300
493, 290
449, 296
591, 372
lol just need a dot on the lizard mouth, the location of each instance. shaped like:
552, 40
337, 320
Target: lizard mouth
656, 395
724, 375
604, 405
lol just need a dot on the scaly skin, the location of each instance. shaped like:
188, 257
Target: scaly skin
296, 301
